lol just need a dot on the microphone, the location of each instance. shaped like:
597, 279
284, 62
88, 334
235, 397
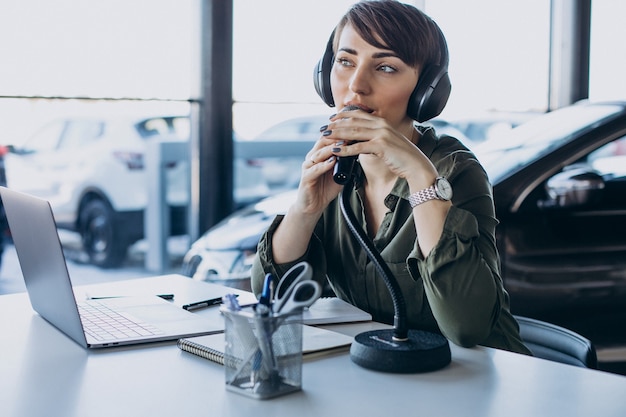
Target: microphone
342, 172
397, 350
343, 169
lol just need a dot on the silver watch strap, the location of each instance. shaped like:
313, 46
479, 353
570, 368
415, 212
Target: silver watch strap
422, 196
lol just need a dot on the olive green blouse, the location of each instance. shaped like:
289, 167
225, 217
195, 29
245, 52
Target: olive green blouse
456, 290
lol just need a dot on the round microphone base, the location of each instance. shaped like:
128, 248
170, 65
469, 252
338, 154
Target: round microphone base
421, 352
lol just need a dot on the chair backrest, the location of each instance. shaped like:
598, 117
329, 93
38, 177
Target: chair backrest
556, 343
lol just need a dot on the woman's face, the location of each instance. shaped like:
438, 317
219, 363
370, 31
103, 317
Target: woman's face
372, 78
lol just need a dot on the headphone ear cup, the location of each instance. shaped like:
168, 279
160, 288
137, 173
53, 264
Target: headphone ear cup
321, 81
321, 74
430, 94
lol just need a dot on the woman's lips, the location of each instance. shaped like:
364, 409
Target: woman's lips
351, 106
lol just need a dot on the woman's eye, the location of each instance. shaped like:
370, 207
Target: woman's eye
386, 68
343, 61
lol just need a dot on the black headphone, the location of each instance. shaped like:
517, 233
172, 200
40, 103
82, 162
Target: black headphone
428, 98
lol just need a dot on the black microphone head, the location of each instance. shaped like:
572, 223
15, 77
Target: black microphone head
342, 173
350, 107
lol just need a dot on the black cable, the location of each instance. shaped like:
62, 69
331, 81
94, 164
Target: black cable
399, 306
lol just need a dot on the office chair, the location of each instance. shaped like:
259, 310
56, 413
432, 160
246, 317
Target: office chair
556, 343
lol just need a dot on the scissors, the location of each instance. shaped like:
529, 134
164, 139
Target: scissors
299, 277
303, 294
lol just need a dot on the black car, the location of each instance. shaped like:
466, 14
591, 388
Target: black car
560, 193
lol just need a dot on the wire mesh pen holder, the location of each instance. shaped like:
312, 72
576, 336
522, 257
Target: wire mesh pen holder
263, 353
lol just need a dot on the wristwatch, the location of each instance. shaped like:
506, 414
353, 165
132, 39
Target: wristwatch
440, 190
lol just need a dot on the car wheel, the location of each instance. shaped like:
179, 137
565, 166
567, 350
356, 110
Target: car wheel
100, 237
190, 266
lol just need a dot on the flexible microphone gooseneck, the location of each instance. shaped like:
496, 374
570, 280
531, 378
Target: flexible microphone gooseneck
396, 350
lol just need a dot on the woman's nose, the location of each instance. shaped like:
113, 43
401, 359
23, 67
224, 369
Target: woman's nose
360, 83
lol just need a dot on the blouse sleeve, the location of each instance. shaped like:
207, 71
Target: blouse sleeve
264, 262
461, 274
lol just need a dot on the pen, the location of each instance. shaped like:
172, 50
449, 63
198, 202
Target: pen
204, 303
231, 303
268, 290
163, 296
166, 296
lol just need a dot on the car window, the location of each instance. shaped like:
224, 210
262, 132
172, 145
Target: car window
79, 133
47, 138
615, 148
181, 127
158, 126
166, 126
610, 159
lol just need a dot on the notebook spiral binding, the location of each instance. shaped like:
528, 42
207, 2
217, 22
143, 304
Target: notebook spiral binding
201, 350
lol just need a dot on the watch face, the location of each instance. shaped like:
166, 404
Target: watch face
443, 188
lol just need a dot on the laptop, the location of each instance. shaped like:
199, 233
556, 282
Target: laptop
39, 250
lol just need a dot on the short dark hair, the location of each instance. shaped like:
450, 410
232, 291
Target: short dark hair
402, 28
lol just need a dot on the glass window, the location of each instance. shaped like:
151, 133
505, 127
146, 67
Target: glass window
607, 60
499, 54
276, 45
498, 60
115, 48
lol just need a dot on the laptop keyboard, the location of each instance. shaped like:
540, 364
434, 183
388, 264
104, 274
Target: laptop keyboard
103, 323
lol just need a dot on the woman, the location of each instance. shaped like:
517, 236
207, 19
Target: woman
439, 244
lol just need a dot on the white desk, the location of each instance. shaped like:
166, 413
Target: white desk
44, 373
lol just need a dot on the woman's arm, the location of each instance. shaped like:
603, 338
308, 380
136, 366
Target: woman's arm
461, 271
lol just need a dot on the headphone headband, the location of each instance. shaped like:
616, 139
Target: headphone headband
428, 98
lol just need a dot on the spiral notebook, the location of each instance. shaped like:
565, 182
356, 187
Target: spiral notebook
315, 341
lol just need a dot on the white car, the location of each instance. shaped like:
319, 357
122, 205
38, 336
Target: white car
92, 170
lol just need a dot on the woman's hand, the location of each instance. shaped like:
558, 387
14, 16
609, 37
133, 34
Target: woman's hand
317, 187
376, 141
382, 146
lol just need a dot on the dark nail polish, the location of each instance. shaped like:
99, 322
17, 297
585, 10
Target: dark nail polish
323, 128
332, 115
336, 149
327, 132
